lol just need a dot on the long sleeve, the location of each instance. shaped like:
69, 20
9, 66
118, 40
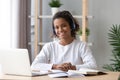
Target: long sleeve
41, 61
87, 58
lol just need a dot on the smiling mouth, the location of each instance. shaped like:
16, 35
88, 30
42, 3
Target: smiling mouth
61, 34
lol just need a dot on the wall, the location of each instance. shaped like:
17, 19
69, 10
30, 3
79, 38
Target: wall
105, 14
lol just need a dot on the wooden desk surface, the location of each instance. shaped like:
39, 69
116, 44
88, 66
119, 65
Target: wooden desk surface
108, 76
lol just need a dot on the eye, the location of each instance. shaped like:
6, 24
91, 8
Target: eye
56, 27
64, 25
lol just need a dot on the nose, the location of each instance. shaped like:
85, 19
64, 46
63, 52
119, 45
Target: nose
60, 29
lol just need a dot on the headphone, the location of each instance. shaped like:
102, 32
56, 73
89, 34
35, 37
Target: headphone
73, 23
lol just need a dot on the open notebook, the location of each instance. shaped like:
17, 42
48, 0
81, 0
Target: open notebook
16, 62
86, 71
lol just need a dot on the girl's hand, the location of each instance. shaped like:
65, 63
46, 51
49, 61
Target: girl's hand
64, 66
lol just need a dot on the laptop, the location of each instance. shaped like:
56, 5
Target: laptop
16, 62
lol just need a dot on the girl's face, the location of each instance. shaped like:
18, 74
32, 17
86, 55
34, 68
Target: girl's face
62, 28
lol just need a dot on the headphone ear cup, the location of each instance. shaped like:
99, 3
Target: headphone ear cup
73, 24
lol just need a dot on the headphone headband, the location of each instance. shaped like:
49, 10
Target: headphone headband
71, 17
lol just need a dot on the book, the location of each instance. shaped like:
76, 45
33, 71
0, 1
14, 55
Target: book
74, 73
86, 71
58, 75
64, 74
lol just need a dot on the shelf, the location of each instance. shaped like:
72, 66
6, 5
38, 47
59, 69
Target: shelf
43, 43
40, 43
50, 16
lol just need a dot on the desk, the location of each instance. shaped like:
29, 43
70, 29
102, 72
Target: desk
108, 76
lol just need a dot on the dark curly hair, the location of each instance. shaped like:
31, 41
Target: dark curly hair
70, 19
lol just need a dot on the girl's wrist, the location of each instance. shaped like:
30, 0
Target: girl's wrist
73, 67
54, 66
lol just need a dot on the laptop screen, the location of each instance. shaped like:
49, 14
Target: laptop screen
15, 61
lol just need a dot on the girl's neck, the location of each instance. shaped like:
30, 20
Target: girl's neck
66, 41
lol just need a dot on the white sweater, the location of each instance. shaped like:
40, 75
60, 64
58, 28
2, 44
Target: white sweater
77, 53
